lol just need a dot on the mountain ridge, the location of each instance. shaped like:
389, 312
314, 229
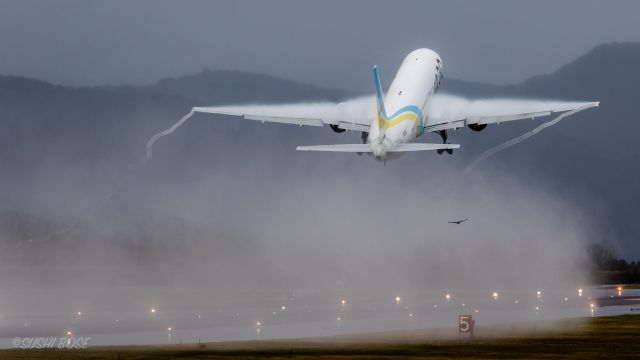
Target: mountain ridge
95, 132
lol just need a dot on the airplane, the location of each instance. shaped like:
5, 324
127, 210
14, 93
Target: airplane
457, 222
391, 122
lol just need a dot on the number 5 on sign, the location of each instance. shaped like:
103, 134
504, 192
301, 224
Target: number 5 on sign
465, 324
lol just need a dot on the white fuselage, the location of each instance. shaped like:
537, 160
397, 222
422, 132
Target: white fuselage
406, 103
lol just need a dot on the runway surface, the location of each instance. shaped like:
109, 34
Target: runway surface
317, 315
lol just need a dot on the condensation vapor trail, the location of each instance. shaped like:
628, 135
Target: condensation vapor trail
125, 178
170, 130
519, 139
496, 149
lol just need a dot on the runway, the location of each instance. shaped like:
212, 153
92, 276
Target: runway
320, 314
586, 338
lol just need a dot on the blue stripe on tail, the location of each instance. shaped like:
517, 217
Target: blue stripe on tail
379, 96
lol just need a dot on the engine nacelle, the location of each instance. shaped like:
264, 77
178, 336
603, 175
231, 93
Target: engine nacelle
337, 129
477, 127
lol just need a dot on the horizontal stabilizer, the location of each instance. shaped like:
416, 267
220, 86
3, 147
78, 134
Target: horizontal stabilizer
365, 148
422, 147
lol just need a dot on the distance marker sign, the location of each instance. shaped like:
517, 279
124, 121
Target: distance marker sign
465, 324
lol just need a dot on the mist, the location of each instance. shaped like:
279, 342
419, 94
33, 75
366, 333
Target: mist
232, 233
124, 212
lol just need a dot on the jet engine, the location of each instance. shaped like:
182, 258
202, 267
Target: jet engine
477, 127
336, 128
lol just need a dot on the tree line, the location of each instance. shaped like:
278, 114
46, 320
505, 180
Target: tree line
608, 268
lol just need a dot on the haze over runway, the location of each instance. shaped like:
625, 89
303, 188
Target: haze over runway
228, 223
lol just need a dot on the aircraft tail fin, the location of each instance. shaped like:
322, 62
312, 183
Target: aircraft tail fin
379, 95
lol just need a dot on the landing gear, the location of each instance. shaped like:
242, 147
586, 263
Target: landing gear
444, 136
364, 136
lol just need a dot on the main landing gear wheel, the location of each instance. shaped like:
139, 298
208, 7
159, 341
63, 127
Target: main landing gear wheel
364, 136
443, 135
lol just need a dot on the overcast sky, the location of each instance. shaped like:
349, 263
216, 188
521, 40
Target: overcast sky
330, 43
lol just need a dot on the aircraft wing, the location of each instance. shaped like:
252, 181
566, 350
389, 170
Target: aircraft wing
355, 114
452, 112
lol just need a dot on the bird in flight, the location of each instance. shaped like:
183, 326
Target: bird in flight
458, 222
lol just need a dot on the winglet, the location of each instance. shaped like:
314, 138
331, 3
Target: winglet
379, 95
